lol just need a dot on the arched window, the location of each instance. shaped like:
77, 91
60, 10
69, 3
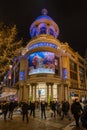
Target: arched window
51, 32
43, 30
33, 32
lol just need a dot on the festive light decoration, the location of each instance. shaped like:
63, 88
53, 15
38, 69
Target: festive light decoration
9, 46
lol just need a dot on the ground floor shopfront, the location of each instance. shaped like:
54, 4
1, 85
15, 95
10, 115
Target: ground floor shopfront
37, 88
43, 91
49, 91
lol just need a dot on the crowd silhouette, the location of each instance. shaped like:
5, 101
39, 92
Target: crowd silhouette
76, 111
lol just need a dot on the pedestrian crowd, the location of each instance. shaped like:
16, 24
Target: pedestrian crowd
7, 108
56, 108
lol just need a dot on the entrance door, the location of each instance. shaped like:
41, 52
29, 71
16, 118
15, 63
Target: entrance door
41, 91
42, 94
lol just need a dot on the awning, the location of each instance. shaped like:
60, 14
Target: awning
7, 94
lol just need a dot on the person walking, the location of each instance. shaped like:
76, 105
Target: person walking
11, 109
76, 110
53, 108
32, 109
4, 108
43, 109
65, 109
25, 108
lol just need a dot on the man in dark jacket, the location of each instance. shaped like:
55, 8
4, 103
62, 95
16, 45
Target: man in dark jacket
25, 107
43, 107
32, 108
53, 108
65, 109
11, 109
76, 109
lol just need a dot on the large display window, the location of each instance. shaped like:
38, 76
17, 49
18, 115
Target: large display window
42, 62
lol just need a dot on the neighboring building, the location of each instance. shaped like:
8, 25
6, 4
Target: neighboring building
86, 64
48, 69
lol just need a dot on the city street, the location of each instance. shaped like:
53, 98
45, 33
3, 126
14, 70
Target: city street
37, 123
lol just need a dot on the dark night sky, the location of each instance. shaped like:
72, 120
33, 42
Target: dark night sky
70, 15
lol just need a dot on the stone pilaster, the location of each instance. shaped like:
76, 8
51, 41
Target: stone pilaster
35, 92
47, 92
51, 91
20, 94
58, 92
61, 92
26, 92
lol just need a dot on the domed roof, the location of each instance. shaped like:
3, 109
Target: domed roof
44, 17
44, 24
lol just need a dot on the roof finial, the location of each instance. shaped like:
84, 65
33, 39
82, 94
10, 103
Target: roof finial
44, 11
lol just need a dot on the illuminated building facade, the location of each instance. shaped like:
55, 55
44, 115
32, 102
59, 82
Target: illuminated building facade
48, 69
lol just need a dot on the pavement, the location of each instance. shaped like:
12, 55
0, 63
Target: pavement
50, 123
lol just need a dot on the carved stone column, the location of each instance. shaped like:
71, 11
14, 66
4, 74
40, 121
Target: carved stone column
20, 93
66, 91
51, 91
58, 92
33, 91
26, 92
47, 92
29, 96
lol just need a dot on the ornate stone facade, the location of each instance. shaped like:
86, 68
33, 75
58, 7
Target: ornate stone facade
61, 76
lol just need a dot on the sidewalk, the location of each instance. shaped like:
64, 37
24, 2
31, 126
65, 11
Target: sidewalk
50, 123
55, 122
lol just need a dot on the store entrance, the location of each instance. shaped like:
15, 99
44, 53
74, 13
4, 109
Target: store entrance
42, 94
41, 91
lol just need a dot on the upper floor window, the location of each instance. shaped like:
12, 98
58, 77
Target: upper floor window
73, 66
82, 74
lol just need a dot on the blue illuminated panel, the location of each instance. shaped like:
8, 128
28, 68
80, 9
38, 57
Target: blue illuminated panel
43, 44
65, 73
22, 75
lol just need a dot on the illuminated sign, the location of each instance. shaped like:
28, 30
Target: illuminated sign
42, 44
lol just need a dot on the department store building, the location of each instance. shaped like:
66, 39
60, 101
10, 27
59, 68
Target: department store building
48, 69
